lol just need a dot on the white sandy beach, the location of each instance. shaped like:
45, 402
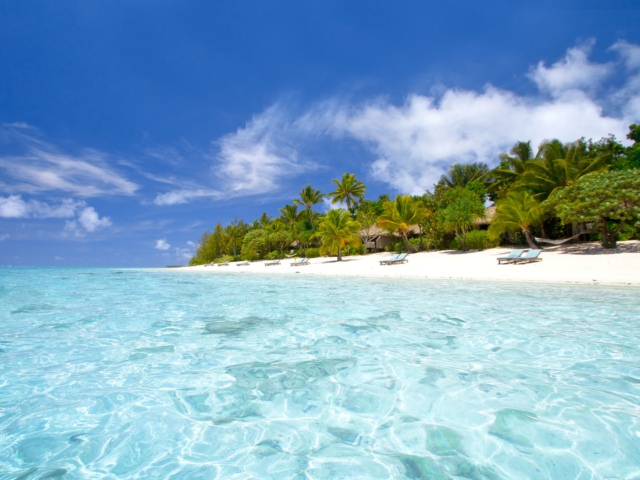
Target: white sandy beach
574, 264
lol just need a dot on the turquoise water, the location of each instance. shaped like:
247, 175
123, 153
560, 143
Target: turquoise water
108, 373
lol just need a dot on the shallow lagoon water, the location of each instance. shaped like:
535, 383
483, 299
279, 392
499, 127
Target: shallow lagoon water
112, 373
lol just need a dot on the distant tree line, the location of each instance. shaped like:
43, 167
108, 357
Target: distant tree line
562, 190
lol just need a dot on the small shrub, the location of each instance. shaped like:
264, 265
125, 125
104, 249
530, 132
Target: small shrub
273, 255
476, 240
225, 258
628, 232
359, 250
249, 257
312, 253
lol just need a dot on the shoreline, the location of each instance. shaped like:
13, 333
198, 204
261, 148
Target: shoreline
573, 264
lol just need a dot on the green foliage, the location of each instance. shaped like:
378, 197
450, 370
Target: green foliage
460, 175
608, 200
518, 211
633, 152
401, 215
338, 230
225, 258
274, 255
309, 197
476, 240
349, 190
312, 253
628, 232
250, 257
462, 210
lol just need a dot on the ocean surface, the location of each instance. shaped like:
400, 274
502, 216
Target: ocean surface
120, 374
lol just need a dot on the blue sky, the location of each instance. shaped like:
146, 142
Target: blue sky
127, 128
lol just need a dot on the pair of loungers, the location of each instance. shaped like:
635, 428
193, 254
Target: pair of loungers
398, 258
516, 256
298, 262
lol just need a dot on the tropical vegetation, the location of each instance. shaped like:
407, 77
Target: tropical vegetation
586, 189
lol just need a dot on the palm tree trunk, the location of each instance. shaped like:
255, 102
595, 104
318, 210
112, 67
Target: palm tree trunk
530, 241
313, 228
407, 245
339, 255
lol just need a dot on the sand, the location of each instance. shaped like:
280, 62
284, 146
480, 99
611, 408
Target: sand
586, 263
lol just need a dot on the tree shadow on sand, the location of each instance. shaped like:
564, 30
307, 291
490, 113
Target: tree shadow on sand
632, 246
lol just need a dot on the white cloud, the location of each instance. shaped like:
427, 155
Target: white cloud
327, 205
255, 158
191, 244
629, 52
162, 244
415, 142
184, 196
91, 221
4, 236
575, 71
42, 168
14, 206
58, 258
183, 253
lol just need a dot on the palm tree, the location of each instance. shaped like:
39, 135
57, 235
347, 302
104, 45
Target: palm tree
460, 215
309, 197
290, 215
517, 211
349, 190
265, 219
511, 166
233, 235
338, 230
461, 175
401, 215
559, 165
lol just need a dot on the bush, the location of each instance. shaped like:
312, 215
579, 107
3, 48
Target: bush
225, 258
249, 257
273, 255
359, 250
476, 240
628, 232
312, 253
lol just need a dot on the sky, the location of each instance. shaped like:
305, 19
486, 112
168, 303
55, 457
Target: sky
128, 128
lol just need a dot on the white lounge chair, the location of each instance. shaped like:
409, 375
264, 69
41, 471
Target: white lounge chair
243, 264
273, 262
529, 257
512, 255
300, 261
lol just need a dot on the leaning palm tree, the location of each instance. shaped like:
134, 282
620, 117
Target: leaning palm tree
309, 197
349, 190
461, 175
517, 211
401, 215
559, 165
336, 231
289, 215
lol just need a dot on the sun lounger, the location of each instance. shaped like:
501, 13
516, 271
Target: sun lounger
398, 258
401, 258
274, 262
243, 264
225, 264
529, 257
209, 264
513, 254
300, 261
391, 259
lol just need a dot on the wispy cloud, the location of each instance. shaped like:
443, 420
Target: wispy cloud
14, 206
4, 236
184, 196
255, 158
41, 167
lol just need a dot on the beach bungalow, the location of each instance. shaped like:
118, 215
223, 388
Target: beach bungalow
376, 239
